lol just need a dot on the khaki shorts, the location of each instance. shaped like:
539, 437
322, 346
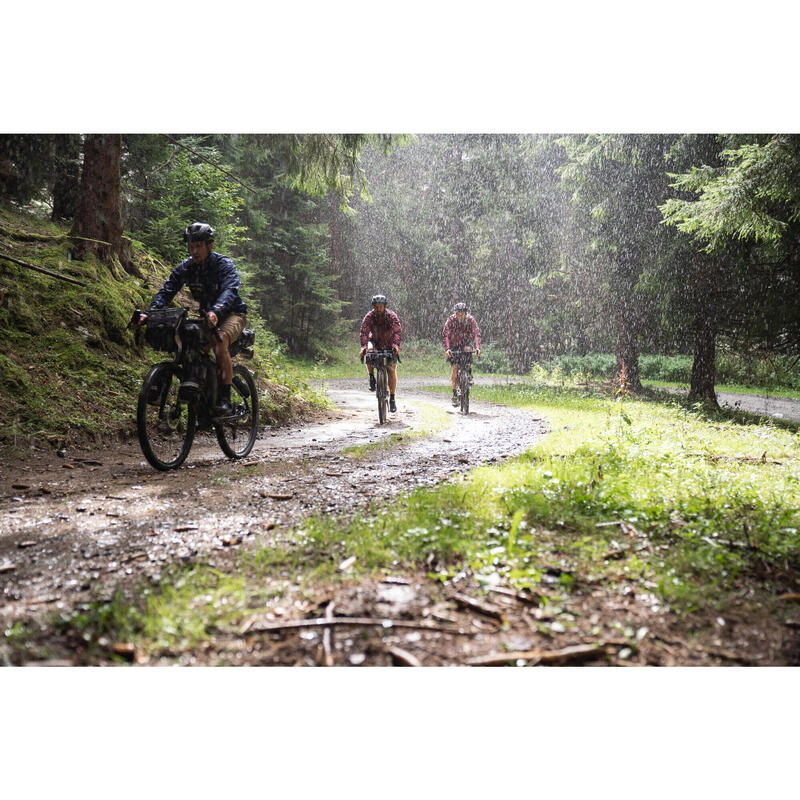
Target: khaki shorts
233, 325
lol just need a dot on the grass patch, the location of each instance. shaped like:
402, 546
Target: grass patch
420, 359
433, 420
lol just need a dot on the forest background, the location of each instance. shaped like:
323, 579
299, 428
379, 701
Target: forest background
564, 246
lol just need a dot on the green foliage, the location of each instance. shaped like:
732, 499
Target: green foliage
754, 195
185, 189
493, 360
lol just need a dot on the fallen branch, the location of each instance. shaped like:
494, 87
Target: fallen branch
741, 459
404, 657
569, 655
524, 597
42, 270
356, 622
476, 605
327, 654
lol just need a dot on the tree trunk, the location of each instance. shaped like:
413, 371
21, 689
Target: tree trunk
99, 215
701, 389
66, 180
627, 370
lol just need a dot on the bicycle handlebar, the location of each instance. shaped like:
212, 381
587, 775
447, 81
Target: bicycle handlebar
214, 328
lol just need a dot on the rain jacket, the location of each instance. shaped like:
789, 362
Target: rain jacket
214, 284
384, 331
456, 334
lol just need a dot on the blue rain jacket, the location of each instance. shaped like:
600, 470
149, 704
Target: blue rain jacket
214, 284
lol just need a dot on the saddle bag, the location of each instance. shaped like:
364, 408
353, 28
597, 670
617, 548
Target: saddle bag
244, 344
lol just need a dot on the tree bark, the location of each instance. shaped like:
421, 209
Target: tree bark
99, 214
701, 389
627, 370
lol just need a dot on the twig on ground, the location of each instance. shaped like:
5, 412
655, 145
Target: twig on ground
476, 605
568, 655
356, 622
741, 459
524, 597
405, 658
327, 638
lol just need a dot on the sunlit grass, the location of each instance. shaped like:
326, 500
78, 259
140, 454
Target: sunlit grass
432, 419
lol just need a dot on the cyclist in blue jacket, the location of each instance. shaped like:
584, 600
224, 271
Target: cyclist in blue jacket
214, 283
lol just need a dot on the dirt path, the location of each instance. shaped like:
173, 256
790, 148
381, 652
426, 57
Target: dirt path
780, 407
769, 406
72, 527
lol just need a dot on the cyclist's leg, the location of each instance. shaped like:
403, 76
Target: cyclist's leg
453, 374
392, 370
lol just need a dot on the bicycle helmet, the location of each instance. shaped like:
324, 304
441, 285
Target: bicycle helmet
198, 232
379, 298
460, 307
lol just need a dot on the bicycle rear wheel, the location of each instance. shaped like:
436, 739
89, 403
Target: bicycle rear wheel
164, 424
237, 434
463, 385
383, 395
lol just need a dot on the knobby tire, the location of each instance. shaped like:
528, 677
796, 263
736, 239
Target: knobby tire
236, 438
383, 395
165, 427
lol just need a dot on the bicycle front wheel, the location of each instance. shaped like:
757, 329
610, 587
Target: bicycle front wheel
237, 433
383, 394
463, 385
165, 424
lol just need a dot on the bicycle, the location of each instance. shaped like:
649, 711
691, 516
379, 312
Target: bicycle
380, 360
177, 397
463, 361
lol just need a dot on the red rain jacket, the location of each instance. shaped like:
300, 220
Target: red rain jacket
456, 334
384, 331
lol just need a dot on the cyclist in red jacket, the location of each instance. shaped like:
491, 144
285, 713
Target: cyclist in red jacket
460, 332
380, 329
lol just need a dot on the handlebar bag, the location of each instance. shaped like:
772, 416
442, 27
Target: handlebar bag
161, 327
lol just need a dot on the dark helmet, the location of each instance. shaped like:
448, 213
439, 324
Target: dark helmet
379, 298
460, 307
198, 232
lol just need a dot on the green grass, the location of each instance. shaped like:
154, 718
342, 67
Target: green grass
420, 358
432, 420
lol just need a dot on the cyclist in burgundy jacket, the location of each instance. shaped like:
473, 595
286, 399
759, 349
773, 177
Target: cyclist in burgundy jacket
380, 329
460, 332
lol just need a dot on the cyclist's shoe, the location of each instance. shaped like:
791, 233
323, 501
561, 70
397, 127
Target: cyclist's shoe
392, 406
372, 383
223, 406
455, 397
